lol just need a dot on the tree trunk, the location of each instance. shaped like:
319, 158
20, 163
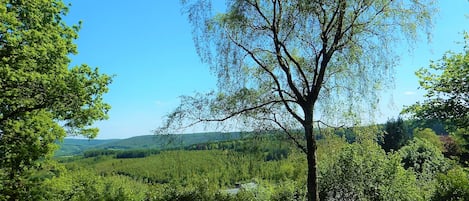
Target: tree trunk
312, 183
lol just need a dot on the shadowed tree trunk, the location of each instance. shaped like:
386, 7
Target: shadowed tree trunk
312, 182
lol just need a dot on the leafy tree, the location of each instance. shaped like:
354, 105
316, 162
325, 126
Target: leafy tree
427, 161
363, 171
451, 148
447, 97
41, 98
462, 139
446, 83
84, 184
423, 157
430, 136
285, 64
396, 134
453, 185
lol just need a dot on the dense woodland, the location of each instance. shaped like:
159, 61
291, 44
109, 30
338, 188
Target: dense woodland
421, 155
395, 161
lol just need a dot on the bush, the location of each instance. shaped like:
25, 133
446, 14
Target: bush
430, 136
453, 185
424, 158
363, 171
86, 185
426, 161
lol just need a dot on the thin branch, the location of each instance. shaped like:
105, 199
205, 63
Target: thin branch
298, 66
271, 74
233, 114
258, 9
280, 59
329, 25
297, 143
328, 125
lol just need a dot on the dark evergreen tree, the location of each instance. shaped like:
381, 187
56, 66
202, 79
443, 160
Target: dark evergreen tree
396, 134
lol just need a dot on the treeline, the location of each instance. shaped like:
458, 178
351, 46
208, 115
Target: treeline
140, 153
391, 135
269, 146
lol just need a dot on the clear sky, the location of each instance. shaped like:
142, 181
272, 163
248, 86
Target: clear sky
148, 46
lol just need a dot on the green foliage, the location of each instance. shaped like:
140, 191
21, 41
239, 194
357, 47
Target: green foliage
85, 185
219, 168
430, 136
427, 161
357, 171
363, 171
446, 83
193, 175
454, 185
173, 141
288, 191
39, 90
267, 145
424, 158
23, 142
99, 152
198, 193
461, 136
280, 62
396, 135
135, 153
438, 126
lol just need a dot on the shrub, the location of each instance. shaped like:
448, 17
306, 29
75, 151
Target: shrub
363, 171
453, 185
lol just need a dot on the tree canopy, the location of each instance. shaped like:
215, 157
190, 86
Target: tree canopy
41, 98
447, 95
286, 64
446, 82
396, 134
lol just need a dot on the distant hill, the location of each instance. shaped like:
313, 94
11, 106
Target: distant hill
71, 147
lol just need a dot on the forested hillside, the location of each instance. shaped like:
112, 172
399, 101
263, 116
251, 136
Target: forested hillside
70, 147
418, 170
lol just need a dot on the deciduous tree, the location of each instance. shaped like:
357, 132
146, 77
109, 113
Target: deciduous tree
286, 64
41, 97
446, 82
426, 160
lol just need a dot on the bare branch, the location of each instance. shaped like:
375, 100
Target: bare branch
280, 59
298, 66
241, 111
272, 75
328, 125
286, 131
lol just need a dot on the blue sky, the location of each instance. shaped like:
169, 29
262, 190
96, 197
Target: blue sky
148, 46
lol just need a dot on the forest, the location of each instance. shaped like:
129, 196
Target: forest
398, 160
298, 83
